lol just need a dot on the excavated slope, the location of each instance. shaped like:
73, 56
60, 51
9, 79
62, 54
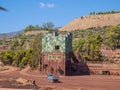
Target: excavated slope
92, 21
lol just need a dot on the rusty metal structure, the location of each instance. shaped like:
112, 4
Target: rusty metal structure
56, 49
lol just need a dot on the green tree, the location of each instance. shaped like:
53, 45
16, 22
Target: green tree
29, 28
14, 44
48, 26
28, 56
36, 60
18, 57
96, 44
79, 45
37, 27
113, 36
7, 57
23, 57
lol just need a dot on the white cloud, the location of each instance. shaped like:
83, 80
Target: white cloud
42, 5
50, 5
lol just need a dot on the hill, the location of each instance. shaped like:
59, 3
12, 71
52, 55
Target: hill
11, 34
85, 22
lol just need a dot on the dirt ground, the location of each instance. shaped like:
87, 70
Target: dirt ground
90, 82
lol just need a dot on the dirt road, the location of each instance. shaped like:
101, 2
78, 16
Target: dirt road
69, 82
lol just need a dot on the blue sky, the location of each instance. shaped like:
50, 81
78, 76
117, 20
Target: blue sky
22, 13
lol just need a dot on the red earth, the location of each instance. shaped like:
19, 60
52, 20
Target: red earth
88, 82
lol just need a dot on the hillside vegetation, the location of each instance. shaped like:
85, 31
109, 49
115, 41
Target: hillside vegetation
87, 43
25, 49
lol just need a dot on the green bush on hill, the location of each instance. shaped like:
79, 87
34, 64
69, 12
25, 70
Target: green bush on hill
86, 44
